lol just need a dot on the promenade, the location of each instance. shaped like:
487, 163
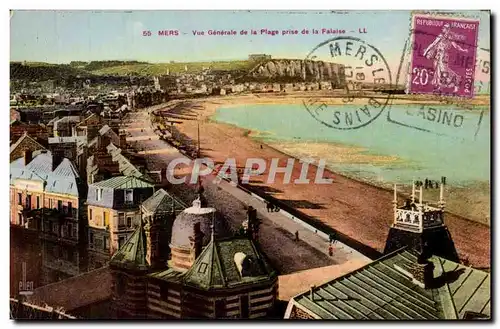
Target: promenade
277, 231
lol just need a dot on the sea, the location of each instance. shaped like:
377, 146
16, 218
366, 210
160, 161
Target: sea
423, 140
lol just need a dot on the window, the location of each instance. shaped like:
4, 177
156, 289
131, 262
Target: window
120, 284
51, 203
28, 201
106, 243
98, 194
203, 268
164, 292
121, 219
220, 308
37, 202
59, 205
121, 241
70, 208
55, 228
91, 238
19, 198
244, 307
129, 196
71, 256
129, 221
104, 218
90, 213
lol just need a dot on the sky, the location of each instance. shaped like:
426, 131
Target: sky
64, 36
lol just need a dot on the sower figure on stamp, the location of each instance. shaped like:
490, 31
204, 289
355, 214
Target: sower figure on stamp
444, 76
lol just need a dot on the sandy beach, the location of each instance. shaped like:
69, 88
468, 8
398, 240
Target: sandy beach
354, 208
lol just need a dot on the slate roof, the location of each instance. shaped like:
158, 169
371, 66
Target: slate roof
66, 120
162, 201
64, 179
123, 182
67, 139
383, 290
106, 130
215, 268
26, 137
132, 254
169, 274
125, 165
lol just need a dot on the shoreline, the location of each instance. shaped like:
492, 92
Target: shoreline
344, 206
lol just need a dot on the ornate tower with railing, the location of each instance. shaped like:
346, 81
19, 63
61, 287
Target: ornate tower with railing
419, 226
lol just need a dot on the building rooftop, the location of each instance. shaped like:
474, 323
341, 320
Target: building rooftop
123, 182
183, 227
66, 120
385, 290
133, 253
27, 139
64, 179
295, 283
161, 201
226, 263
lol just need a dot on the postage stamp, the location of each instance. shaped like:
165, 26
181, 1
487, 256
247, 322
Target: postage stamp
444, 56
365, 71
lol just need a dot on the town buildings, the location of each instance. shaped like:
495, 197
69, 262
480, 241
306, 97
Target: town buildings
114, 210
419, 278
47, 194
418, 225
402, 285
210, 274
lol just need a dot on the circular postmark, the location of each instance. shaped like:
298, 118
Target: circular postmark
361, 73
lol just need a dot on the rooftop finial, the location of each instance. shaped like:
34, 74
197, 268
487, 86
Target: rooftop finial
413, 191
199, 192
197, 203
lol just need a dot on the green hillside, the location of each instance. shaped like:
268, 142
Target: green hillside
150, 69
40, 70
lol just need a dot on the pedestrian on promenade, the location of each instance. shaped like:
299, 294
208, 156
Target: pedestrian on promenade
330, 250
296, 236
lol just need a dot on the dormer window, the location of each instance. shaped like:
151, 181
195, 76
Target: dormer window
98, 194
129, 196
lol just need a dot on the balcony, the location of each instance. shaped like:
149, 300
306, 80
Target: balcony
418, 218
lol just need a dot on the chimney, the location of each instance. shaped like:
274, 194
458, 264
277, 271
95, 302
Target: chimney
311, 293
102, 142
28, 156
252, 222
196, 243
123, 141
163, 177
423, 270
57, 158
153, 254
